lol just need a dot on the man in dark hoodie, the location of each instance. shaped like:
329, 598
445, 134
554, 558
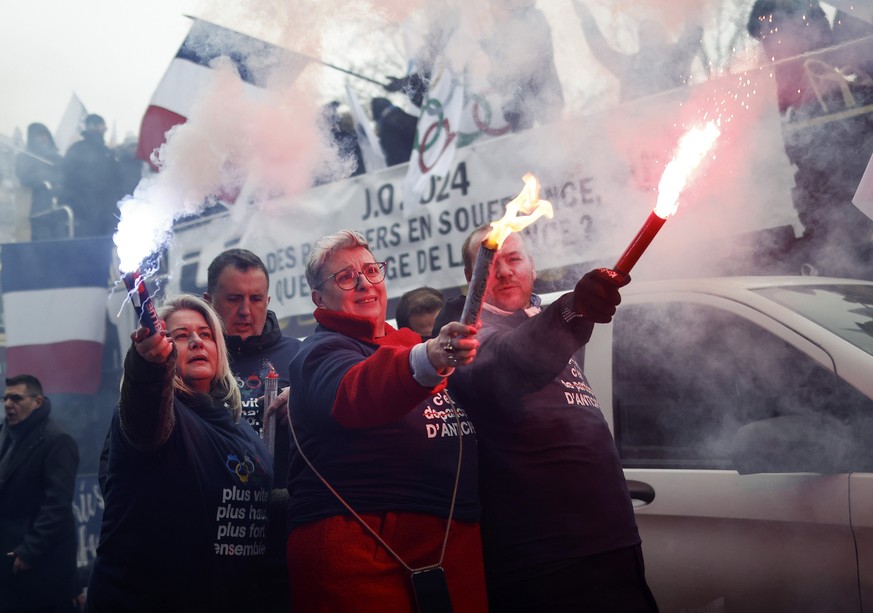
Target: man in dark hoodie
237, 287
38, 463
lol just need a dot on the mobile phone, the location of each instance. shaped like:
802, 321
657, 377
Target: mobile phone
431, 591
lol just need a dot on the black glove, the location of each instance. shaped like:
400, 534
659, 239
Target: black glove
596, 294
414, 86
395, 85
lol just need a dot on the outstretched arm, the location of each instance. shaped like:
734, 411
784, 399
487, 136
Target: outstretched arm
617, 63
146, 405
523, 359
390, 398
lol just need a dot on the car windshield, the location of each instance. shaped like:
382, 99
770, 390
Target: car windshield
845, 310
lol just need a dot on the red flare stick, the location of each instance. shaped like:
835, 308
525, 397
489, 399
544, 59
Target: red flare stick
639, 244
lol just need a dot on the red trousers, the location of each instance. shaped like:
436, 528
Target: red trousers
335, 566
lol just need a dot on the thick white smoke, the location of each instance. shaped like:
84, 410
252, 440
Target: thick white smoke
269, 144
274, 144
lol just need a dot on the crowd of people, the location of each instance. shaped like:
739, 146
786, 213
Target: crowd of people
430, 466
76, 194
522, 76
385, 488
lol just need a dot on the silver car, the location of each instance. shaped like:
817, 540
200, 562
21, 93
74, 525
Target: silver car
743, 413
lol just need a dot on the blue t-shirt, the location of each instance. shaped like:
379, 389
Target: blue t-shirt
551, 480
406, 465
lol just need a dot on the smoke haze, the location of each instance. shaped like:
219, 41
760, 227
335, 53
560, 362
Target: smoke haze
272, 146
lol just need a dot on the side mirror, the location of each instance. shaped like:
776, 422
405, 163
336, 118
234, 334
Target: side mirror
792, 444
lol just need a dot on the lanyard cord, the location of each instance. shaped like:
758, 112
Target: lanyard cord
361, 520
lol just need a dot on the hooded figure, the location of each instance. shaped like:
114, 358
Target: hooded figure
92, 181
39, 170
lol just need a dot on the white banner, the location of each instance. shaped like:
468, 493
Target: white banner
600, 172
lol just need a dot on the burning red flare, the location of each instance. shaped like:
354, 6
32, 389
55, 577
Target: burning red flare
531, 208
692, 148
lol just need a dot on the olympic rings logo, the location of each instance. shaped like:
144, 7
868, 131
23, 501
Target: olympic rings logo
241, 468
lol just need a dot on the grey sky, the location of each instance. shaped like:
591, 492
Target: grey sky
110, 53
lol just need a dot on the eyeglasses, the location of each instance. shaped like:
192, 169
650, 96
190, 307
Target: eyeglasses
348, 279
16, 398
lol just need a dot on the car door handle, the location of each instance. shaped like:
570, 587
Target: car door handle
641, 493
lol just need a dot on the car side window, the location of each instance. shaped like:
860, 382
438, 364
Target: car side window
696, 386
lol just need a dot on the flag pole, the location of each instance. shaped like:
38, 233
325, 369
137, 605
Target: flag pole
29, 154
310, 58
348, 72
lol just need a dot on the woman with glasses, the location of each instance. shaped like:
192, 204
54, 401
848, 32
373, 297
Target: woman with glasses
384, 509
187, 479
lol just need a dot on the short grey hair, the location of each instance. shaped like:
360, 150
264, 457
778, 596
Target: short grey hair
325, 247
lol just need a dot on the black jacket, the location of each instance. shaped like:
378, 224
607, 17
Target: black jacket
92, 186
37, 480
248, 363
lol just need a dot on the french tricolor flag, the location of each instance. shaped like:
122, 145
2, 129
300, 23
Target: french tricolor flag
54, 299
190, 75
